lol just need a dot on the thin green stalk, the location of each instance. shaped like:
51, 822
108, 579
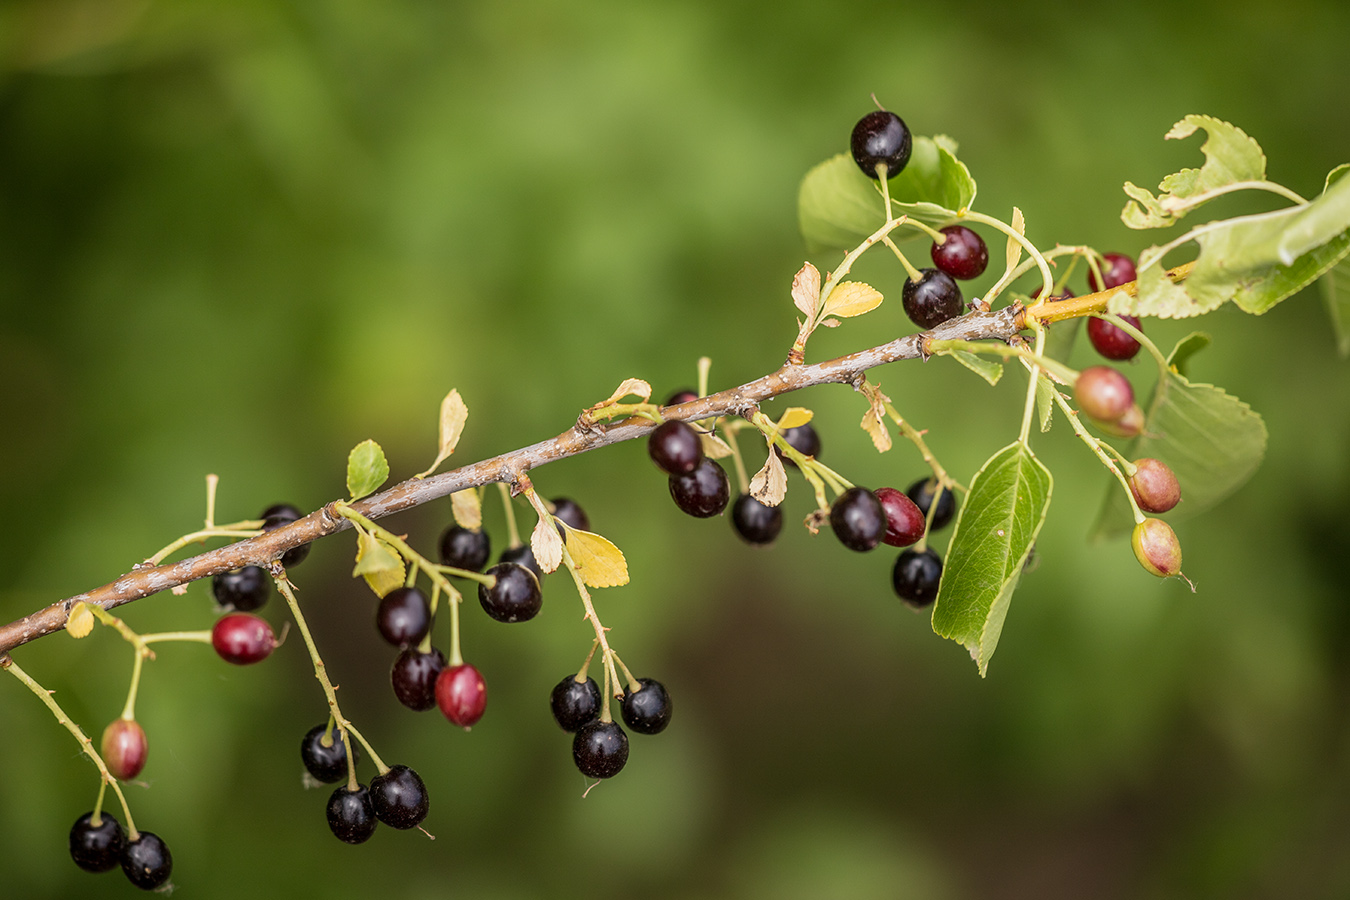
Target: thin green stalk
1035, 254
512, 531
1060, 372
1096, 446
915, 437
1029, 412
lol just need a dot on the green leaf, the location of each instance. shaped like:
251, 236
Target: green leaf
987, 369
1336, 293
367, 469
1230, 156
999, 521
838, 206
1181, 354
1045, 401
378, 563
1212, 441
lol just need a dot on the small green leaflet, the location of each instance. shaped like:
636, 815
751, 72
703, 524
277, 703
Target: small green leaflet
987, 369
367, 469
1230, 157
1336, 293
838, 206
1212, 441
1045, 401
998, 524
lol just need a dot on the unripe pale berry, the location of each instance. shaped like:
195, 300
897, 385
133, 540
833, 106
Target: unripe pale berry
1154, 485
124, 748
1157, 548
1103, 393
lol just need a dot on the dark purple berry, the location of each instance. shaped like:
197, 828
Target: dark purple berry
284, 514
675, 448
916, 577
600, 749
515, 597
326, 763
243, 638
1103, 393
146, 861
1117, 269
96, 848
858, 519
803, 439
922, 491
933, 299
243, 589
904, 520
881, 139
703, 492
571, 513
646, 710
399, 797
755, 522
681, 396
523, 556
465, 549
351, 814
574, 703
1112, 341
962, 255
414, 677
403, 617
461, 693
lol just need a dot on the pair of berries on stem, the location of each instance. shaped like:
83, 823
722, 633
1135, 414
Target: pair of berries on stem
863, 519
396, 796
98, 844
599, 744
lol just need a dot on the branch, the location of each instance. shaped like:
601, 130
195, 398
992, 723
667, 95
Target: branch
507, 468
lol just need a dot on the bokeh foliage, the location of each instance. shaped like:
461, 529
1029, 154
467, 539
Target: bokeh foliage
241, 237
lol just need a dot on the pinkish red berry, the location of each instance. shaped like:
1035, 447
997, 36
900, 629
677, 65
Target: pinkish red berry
124, 748
461, 694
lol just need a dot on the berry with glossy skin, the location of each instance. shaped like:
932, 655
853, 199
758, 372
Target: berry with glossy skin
962, 255
465, 549
414, 677
1111, 340
522, 556
1117, 269
703, 492
754, 522
804, 439
461, 694
1156, 547
403, 617
858, 519
575, 703
1154, 485
904, 520
646, 710
916, 576
399, 797
681, 396
675, 448
146, 861
515, 597
243, 589
931, 300
243, 638
351, 814
124, 748
600, 749
881, 139
97, 848
326, 764
1103, 393
922, 491
571, 512
284, 514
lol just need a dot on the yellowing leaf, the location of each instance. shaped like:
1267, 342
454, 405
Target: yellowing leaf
635, 386
379, 564
770, 483
714, 447
794, 417
806, 290
873, 421
1019, 224
599, 563
546, 544
852, 298
453, 416
467, 508
80, 621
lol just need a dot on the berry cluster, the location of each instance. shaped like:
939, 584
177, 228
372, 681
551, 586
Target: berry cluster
862, 519
396, 796
98, 844
599, 745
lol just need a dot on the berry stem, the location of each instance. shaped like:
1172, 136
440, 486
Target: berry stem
212, 482
1046, 311
1056, 369
916, 438
594, 619
1029, 410
808, 465
586, 666
1096, 446
1138, 335
1027, 245
246, 529
196, 637
512, 531
914, 274
138, 660
633, 684
730, 430
704, 365
8, 663
622, 411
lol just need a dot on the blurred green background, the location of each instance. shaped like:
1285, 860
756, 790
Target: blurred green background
241, 237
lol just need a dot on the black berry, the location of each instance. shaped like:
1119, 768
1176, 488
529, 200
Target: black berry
414, 678
146, 861
916, 577
575, 703
326, 764
524, 556
403, 617
803, 439
1117, 269
904, 520
399, 797
675, 448
962, 255
284, 514
755, 522
922, 491
243, 638
681, 396
465, 549
96, 848
881, 139
1112, 341
243, 589
1103, 393
703, 492
858, 519
933, 299
646, 710
600, 749
515, 597
571, 512
351, 814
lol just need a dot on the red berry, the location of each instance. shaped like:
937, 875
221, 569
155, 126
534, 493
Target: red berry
243, 638
461, 694
1117, 269
124, 748
904, 519
1111, 340
1103, 393
962, 255
1154, 485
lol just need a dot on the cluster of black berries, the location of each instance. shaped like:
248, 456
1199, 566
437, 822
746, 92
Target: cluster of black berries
862, 519
397, 797
98, 844
599, 745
